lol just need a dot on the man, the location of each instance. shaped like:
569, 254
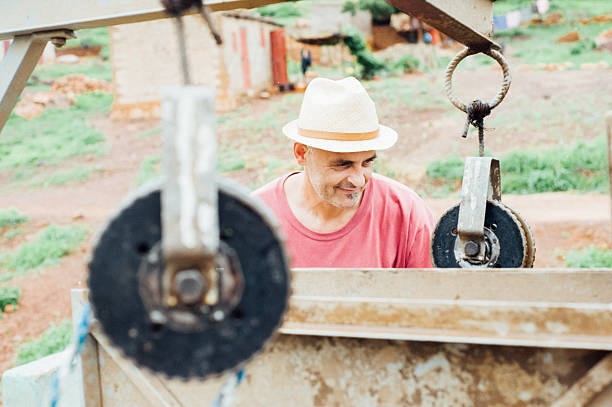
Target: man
337, 213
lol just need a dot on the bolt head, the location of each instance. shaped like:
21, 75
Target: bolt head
189, 286
471, 248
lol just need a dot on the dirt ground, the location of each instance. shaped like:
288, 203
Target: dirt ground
558, 220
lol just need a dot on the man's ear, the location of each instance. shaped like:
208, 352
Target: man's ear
299, 152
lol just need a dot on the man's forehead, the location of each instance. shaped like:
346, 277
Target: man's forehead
353, 156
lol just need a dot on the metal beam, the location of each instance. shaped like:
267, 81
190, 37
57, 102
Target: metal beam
589, 385
24, 17
18, 64
469, 22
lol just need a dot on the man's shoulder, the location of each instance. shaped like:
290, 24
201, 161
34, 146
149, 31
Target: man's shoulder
268, 189
396, 196
392, 187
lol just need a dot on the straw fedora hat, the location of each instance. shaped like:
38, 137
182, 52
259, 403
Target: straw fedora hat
339, 116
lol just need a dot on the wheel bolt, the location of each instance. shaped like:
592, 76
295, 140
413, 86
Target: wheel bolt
189, 286
471, 248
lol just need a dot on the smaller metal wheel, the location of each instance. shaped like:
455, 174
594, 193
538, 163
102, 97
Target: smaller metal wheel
504, 242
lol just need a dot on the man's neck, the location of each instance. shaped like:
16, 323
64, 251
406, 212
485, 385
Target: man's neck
313, 212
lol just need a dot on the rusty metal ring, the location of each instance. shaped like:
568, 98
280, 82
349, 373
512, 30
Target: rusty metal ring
448, 76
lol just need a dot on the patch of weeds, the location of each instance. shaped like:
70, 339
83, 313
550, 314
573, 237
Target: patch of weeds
11, 234
582, 167
22, 174
155, 131
9, 296
149, 169
11, 217
539, 45
590, 257
52, 243
448, 169
55, 339
90, 67
73, 176
230, 160
55, 135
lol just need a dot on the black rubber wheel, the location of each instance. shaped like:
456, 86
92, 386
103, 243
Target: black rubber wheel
499, 219
114, 290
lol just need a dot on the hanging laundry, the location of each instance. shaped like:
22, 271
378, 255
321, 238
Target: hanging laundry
542, 6
513, 19
526, 14
499, 23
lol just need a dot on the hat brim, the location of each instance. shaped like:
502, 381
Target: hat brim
385, 139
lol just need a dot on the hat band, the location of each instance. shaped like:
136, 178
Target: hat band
331, 135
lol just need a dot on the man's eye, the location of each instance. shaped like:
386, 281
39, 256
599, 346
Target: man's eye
368, 163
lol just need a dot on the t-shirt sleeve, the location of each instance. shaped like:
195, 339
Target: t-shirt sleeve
422, 226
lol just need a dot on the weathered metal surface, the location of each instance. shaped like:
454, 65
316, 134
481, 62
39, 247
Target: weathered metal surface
609, 132
469, 22
19, 17
591, 384
17, 66
190, 223
582, 326
310, 371
534, 285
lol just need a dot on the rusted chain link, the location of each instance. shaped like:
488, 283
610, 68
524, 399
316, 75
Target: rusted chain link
448, 77
477, 110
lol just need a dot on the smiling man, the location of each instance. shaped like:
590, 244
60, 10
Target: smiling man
337, 212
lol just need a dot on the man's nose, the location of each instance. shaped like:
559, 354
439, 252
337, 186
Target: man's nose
358, 177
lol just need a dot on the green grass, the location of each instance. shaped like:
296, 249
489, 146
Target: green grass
55, 339
420, 94
582, 166
72, 176
11, 217
8, 296
538, 44
149, 169
55, 135
91, 67
92, 37
588, 258
51, 244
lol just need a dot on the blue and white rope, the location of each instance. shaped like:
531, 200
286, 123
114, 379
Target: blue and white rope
73, 350
227, 393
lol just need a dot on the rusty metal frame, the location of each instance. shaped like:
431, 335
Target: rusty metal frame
469, 22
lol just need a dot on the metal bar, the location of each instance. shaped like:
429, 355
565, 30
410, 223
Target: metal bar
16, 68
190, 221
533, 285
92, 386
609, 131
589, 385
553, 325
18, 64
20, 17
156, 394
475, 190
469, 22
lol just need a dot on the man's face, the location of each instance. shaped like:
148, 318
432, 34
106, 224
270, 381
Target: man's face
339, 178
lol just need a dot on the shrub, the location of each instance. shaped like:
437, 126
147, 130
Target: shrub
8, 296
55, 339
12, 217
370, 66
588, 258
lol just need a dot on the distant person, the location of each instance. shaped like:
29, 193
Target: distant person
337, 212
306, 60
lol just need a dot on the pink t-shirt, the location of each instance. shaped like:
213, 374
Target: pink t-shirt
391, 229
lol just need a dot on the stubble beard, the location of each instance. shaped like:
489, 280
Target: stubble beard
329, 192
